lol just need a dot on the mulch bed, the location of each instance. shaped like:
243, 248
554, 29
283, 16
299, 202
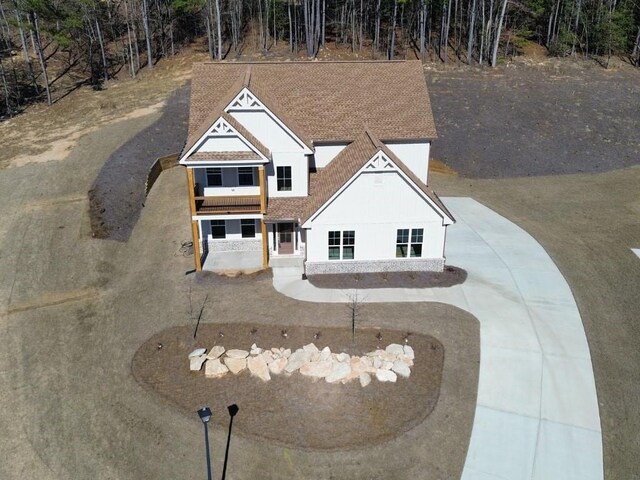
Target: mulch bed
295, 410
449, 277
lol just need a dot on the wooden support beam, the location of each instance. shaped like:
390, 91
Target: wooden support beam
263, 190
191, 187
196, 246
265, 245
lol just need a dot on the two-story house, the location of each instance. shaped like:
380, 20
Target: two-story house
324, 161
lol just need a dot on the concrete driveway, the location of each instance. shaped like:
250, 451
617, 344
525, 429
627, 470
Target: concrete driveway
537, 410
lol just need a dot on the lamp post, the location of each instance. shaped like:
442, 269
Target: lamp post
205, 415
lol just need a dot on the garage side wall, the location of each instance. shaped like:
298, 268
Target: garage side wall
375, 206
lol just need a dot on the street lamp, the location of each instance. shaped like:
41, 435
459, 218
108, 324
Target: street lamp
205, 415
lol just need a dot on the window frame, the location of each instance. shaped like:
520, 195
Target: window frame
247, 171
211, 172
220, 224
409, 242
284, 183
244, 223
339, 243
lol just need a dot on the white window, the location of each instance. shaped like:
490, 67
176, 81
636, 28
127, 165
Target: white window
412, 248
284, 179
342, 245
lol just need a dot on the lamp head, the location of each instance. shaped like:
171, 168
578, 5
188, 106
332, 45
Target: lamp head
233, 409
205, 414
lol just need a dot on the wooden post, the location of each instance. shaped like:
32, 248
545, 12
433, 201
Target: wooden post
265, 245
196, 245
263, 190
191, 187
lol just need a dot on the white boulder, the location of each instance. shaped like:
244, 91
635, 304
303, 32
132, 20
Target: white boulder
198, 352
365, 379
311, 348
215, 352
258, 368
318, 369
237, 353
195, 363
297, 359
408, 351
277, 366
235, 365
339, 371
401, 369
386, 376
395, 349
215, 369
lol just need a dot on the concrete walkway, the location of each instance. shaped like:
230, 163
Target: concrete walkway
537, 410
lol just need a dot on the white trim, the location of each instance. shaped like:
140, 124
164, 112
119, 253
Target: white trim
246, 100
379, 162
222, 163
244, 216
219, 128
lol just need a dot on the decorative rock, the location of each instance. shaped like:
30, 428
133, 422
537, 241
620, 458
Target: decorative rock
235, 365
286, 352
377, 362
215, 369
258, 368
255, 350
215, 352
395, 349
408, 351
339, 371
388, 357
297, 359
401, 369
277, 366
406, 360
267, 356
237, 353
197, 352
386, 365
277, 351
311, 348
195, 363
365, 379
342, 357
386, 376
375, 353
319, 369
325, 354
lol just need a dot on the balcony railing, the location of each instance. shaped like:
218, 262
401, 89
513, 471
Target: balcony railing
224, 205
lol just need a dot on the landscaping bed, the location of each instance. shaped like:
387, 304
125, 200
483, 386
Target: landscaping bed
447, 278
296, 410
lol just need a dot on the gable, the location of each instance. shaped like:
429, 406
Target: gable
264, 124
222, 136
381, 187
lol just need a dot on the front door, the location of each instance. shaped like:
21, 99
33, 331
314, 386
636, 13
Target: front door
285, 238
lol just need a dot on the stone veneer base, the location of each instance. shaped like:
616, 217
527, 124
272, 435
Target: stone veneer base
374, 266
235, 245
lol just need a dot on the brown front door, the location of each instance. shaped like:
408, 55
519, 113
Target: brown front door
285, 238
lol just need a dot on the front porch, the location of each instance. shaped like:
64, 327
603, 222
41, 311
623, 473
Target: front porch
239, 261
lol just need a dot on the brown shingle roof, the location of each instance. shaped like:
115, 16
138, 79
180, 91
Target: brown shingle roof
327, 181
223, 156
323, 101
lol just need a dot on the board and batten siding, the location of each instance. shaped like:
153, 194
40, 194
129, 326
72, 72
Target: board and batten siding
375, 206
415, 155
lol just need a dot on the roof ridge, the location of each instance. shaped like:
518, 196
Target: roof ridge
247, 77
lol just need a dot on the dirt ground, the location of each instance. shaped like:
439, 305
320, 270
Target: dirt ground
314, 414
74, 310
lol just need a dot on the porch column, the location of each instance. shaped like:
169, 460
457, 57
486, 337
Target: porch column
191, 187
196, 245
263, 191
265, 244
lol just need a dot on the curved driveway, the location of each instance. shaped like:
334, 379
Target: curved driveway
537, 410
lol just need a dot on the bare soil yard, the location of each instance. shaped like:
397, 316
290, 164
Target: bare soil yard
449, 277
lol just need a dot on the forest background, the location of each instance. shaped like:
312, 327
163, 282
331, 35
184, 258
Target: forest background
48, 48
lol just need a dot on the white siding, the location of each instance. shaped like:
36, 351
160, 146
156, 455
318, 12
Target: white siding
376, 205
414, 155
299, 174
223, 144
325, 153
267, 131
